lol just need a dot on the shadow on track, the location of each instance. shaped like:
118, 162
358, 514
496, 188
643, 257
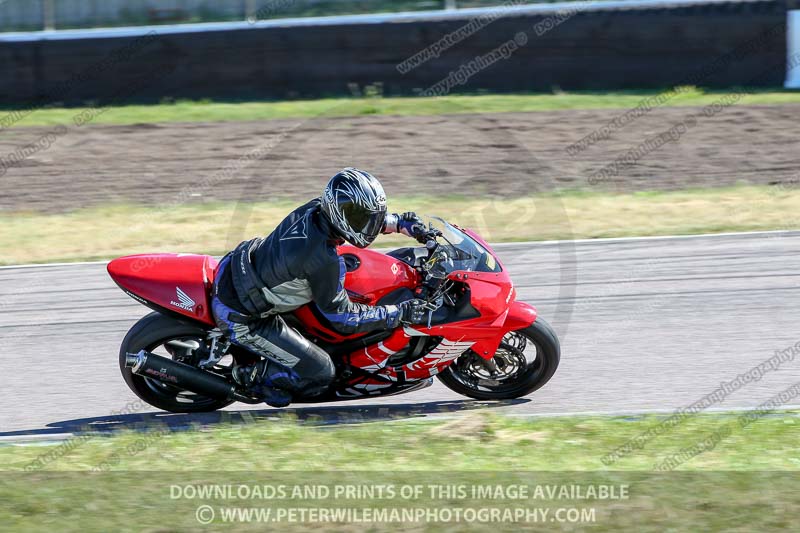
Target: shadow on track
322, 416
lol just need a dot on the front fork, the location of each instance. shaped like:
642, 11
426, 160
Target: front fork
490, 364
520, 316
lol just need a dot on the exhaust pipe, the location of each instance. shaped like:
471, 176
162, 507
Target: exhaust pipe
187, 377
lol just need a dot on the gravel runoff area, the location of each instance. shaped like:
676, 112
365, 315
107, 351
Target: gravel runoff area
501, 154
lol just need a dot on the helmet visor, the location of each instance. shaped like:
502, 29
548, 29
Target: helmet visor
362, 220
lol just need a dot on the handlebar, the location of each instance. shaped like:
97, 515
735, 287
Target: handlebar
427, 236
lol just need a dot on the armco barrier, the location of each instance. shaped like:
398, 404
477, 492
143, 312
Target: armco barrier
611, 45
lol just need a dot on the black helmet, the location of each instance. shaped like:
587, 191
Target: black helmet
355, 205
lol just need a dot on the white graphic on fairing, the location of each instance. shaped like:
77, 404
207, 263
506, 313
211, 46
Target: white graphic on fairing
445, 352
184, 302
411, 332
378, 364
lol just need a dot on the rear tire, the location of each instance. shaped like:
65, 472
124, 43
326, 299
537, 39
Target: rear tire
460, 378
148, 334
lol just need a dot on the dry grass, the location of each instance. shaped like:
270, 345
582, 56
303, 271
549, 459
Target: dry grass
207, 228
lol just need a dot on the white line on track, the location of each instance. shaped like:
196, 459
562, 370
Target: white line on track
640, 412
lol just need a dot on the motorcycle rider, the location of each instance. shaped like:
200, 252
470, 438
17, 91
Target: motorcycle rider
297, 264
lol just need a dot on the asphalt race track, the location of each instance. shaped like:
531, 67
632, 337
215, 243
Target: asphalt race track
646, 325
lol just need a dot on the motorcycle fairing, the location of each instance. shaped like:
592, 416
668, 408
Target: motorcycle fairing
172, 283
182, 283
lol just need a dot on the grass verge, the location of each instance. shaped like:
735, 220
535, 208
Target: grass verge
149, 481
475, 441
97, 233
212, 111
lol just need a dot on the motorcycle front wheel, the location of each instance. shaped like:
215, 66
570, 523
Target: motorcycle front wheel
525, 360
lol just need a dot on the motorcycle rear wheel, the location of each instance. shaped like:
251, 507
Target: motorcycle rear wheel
153, 333
516, 373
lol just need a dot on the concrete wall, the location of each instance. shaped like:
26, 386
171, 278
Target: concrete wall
715, 45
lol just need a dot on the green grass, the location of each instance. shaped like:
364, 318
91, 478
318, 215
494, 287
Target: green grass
107, 232
477, 441
746, 478
210, 111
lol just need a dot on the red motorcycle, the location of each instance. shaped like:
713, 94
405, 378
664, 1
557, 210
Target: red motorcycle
478, 340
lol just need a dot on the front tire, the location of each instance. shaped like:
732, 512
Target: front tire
150, 333
514, 374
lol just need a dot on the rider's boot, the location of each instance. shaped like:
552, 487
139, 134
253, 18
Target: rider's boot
266, 379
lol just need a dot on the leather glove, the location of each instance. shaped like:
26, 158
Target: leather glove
410, 224
412, 217
412, 311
